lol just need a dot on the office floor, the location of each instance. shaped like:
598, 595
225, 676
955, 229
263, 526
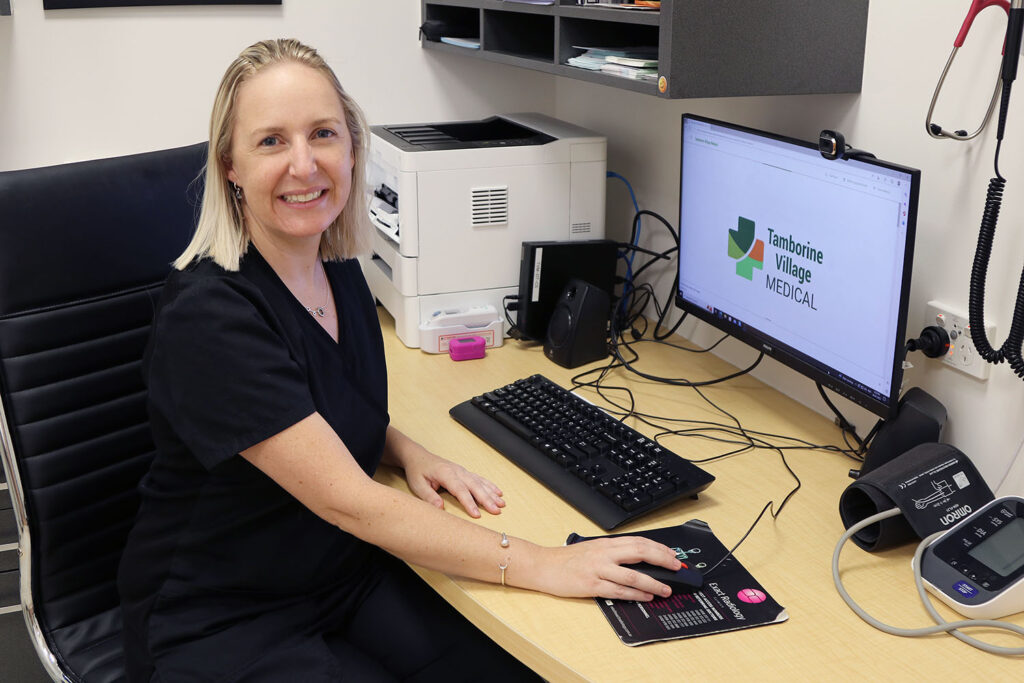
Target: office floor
18, 660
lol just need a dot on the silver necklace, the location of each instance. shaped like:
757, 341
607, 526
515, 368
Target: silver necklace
320, 311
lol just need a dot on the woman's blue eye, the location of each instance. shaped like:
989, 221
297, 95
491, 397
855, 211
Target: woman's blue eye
268, 142
325, 133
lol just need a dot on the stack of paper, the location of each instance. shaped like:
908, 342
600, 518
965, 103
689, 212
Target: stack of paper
630, 62
647, 5
471, 43
586, 61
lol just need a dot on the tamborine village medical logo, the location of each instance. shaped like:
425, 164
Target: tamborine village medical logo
746, 248
794, 261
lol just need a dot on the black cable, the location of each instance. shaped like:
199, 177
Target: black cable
792, 443
650, 263
844, 424
749, 441
628, 288
1011, 349
688, 383
733, 549
659, 255
513, 329
661, 317
675, 283
785, 463
645, 212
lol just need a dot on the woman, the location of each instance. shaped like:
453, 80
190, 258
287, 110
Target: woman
263, 548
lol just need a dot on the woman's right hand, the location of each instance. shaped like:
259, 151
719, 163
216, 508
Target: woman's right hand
594, 569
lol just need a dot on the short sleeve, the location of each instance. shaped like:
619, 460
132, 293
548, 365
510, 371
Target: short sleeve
221, 371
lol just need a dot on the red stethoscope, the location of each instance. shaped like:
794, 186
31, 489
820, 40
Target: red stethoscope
934, 129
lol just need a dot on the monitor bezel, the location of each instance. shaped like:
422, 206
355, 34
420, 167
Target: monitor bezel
776, 349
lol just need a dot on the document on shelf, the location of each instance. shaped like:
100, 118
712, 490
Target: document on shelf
625, 5
461, 42
731, 599
533, 2
629, 71
633, 61
585, 61
634, 51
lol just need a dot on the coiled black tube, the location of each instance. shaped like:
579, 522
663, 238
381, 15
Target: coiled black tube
979, 271
1010, 350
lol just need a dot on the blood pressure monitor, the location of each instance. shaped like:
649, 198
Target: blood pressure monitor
977, 566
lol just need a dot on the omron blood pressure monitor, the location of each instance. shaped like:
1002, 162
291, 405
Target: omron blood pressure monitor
977, 567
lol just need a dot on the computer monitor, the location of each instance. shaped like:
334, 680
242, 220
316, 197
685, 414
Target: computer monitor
805, 258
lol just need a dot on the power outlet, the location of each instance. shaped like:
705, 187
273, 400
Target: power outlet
962, 354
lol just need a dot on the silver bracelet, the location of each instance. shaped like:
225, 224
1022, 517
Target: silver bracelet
508, 560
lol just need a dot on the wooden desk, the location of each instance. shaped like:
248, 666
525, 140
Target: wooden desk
569, 639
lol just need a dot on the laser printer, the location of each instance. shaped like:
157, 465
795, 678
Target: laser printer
452, 204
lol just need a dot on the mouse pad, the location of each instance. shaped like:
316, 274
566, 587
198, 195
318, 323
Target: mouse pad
730, 599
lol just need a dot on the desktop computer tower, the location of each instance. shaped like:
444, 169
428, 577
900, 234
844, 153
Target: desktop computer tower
547, 267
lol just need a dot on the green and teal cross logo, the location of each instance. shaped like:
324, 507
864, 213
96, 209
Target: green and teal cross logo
748, 251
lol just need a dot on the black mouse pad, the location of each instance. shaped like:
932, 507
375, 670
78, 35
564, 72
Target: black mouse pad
731, 599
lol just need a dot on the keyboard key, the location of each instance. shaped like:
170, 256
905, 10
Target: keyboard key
515, 425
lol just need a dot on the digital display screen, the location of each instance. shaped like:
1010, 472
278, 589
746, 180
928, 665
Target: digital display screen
1003, 551
805, 258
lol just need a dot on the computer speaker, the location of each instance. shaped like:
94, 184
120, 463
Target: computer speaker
920, 419
578, 330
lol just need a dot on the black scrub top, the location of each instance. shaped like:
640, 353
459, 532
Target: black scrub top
222, 563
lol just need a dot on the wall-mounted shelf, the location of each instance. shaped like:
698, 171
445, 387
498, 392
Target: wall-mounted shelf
705, 48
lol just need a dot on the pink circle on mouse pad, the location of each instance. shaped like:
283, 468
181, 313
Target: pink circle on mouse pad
751, 595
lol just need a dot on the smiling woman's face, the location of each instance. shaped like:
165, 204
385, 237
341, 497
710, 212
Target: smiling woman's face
291, 153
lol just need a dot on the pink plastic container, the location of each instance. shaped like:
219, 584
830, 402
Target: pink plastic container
466, 348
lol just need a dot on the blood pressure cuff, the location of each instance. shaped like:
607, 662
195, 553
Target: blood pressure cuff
934, 485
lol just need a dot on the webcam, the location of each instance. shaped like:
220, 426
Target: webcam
832, 145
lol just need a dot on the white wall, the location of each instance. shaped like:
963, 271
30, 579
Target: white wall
92, 83
82, 84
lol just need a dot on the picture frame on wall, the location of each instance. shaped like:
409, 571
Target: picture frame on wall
83, 4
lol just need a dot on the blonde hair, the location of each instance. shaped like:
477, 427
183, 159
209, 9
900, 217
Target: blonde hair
221, 234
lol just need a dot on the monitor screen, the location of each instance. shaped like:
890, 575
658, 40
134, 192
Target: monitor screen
805, 258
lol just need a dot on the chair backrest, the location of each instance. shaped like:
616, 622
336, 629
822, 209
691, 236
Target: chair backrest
84, 251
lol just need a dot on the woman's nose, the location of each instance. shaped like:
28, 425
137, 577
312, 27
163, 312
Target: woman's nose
303, 162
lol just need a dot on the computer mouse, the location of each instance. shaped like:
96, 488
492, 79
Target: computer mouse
683, 580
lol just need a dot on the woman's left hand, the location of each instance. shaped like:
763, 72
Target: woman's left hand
429, 473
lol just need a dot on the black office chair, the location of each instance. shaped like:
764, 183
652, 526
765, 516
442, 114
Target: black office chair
84, 250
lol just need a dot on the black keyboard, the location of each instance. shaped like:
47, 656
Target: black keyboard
606, 470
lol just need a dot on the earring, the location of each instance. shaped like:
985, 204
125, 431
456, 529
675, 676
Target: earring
238, 191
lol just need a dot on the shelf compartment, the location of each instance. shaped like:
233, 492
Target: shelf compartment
592, 33
463, 22
529, 36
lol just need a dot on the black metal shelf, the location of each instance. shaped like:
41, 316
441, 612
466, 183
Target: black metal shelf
705, 48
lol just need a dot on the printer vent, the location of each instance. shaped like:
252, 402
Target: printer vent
420, 135
490, 205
